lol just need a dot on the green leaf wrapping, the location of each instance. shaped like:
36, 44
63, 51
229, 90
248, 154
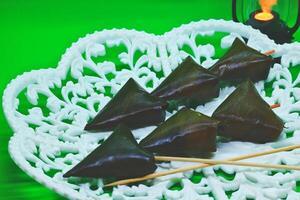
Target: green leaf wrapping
242, 62
133, 107
118, 157
189, 84
187, 133
245, 116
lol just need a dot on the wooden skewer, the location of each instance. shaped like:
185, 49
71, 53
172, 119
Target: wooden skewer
270, 52
275, 105
199, 166
225, 162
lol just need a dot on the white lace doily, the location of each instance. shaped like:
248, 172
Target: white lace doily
48, 109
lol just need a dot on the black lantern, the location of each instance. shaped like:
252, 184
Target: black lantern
279, 19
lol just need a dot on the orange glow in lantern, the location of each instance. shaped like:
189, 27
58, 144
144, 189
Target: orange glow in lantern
266, 7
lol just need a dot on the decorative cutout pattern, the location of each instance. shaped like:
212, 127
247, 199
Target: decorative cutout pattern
48, 110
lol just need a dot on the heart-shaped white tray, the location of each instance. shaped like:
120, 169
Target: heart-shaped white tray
47, 110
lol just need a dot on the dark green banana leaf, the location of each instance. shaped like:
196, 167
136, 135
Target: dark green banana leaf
133, 107
242, 62
118, 157
187, 133
189, 84
245, 116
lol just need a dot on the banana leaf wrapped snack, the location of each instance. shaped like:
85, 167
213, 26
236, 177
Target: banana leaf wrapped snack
242, 62
118, 157
187, 133
189, 84
131, 106
245, 116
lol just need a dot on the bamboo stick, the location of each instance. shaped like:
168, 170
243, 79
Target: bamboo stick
275, 106
225, 162
199, 166
270, 52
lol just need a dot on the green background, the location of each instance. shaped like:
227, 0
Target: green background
34, 34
